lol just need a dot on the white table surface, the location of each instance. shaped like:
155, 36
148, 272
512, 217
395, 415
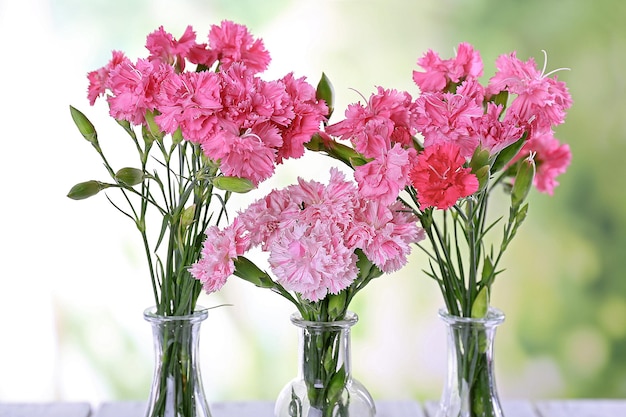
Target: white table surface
408, 408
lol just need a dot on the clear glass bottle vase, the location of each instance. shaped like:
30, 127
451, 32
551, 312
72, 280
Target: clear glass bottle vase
324, 386
470, 387
177, 389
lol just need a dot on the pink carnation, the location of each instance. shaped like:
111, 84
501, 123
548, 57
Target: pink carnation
233, 43
440, 178
439, 73
495, 134
387, 119
164, 48
98, 79
450, 118
551, 158
541, 101
135, 89
384, 177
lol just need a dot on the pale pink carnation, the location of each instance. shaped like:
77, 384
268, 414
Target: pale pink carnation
216, 261
391, 229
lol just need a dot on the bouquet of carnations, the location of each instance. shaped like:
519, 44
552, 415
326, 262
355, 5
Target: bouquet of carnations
325, 243
446, 153
203, 124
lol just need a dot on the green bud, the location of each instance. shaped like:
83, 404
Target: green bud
177, 136
85, 190
523, 182
480, 158
482, 174
326, 92
154, 129
508, 153
187, 217
234, 184
84, 126
129, 176
481, 304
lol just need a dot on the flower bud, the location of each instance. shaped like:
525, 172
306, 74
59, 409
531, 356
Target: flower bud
326, 92
247, 270
85, 190
129, 176
234, 184
481, 304
523, 182
186, 219
85, 127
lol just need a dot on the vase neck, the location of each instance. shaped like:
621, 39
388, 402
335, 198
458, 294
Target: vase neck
326, 344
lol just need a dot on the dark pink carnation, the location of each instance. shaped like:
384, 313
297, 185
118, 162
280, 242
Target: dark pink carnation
440, 178
99, 78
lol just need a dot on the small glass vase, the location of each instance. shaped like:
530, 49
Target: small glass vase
177, 384
324, 386
470, 387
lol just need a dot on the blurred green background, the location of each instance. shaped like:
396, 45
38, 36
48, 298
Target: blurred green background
74, 286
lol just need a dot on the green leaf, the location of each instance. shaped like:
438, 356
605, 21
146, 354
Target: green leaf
130, 176
233, 184
508, 153
247, 270
86, 189
83, 124
501, 98
336, 385
326, 92
337, 305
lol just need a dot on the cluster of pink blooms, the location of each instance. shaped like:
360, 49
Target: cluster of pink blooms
311, 232
238, 119
455, 115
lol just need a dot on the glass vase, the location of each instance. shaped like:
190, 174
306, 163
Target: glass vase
470, 387
177, 384
324, 386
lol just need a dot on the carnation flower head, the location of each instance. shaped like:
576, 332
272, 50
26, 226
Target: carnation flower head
440, 178
233, 42
387, 119
540, 101
552, 159
384, 177
98, 79
450, 118
439, 73
135, 89
164, 48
